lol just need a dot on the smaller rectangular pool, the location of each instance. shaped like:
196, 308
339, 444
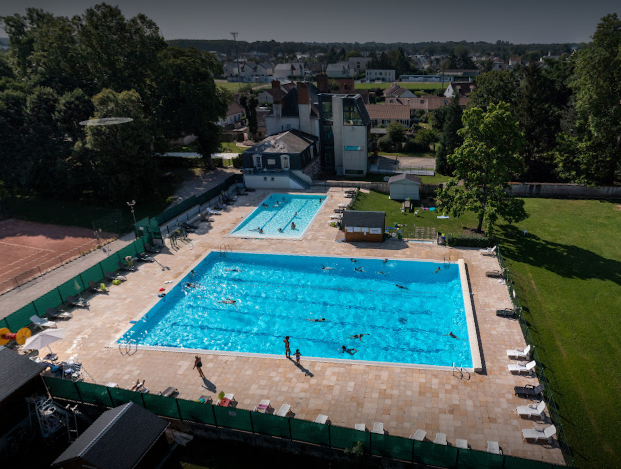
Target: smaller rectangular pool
281, 216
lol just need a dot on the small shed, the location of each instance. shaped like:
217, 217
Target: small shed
126, 437
404, 186
19, 378
364, 226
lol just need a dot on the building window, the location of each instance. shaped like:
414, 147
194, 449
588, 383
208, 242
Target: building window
350, 113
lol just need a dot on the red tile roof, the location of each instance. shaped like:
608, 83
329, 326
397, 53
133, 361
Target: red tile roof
388, 111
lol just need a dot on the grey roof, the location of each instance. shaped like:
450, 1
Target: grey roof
291, 142
364, 219
118, 439
15, 371
402, 176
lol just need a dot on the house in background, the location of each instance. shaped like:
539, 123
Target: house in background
362, 226
339, 70
343, 85
358, 65
464, 88
296, 110
286, 160
380, 75
426, 102
275, 93
234, 115
291, 71
384, 114
404, 186
396, 91
126, 437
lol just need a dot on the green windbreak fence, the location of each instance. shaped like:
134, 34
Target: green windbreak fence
387, 446
51, 299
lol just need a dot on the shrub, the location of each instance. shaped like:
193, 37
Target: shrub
238, 161
412, 146
218, 162
385, 143
469, 241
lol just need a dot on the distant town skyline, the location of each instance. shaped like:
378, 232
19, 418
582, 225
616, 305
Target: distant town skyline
409, 21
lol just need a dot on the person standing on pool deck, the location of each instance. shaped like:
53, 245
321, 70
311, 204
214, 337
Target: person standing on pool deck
287, 349
297, 357
198, 364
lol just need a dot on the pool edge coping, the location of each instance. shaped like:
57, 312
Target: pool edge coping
472, 331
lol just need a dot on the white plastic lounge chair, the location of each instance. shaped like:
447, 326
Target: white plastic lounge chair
263, 406
284, 410
461, 444
75, 301
111, 276
531, 410
539, 433
361, 427
522, 368
519, 353
54, 314
230, 397
378, 427
322, 419
488, 251
529, 390
42, 322
419, 435
440, 439
493, 447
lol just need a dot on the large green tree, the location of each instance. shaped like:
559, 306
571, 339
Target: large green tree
450, 138
487, 160
494, 87
596, 153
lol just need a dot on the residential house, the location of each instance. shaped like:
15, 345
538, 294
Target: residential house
426, 78
384, 114
380, 75
233, 69
339, 70
396, 91
425, 102
358, 65
234, 115
291, 71
499, 66
513, 61
297, 110
464, 88
463, 73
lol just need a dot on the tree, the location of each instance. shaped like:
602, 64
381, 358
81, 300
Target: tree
597, 86
73, 107
13, 170
250, 104
396, 132
353, 53
438, 117
494, 87
450, 138
426, 137
487, 160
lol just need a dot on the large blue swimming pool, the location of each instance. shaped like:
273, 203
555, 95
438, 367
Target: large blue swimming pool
279, 295
281, 216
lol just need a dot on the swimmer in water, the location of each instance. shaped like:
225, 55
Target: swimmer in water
451, 335
280, 230
437, 270
358, 336
228, 301
402, 287
295, 214
317, 320
353, 260
351, 351
292, 226
191, 285
326, 268
385, 260
359, 269
381, 273
233, 270
261, 230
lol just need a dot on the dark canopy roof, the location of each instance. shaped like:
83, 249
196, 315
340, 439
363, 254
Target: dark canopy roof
118, 439
15, 371
364, 219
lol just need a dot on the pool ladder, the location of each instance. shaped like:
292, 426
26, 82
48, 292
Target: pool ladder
128, 348
460, 369
224, 249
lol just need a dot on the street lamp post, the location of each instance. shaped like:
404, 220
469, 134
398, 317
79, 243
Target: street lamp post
131, 206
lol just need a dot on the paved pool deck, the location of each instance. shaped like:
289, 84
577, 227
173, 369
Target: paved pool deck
478, 407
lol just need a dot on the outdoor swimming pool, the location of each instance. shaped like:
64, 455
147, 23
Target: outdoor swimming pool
279, 211
280, 295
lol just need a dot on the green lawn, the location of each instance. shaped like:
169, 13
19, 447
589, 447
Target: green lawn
567, 273
231, 147
429, 154
234, 87
403, 84
426, 218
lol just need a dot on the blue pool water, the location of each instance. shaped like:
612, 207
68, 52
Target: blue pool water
296, 208
275, 295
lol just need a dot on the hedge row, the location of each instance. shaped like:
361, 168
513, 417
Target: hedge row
469, 241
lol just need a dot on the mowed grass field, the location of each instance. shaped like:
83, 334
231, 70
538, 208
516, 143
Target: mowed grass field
403, 84
234, 87
567, 273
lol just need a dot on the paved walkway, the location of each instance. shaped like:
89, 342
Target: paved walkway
478, 408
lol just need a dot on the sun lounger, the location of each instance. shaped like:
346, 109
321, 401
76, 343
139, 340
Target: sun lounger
142, 257
169, 392
493, 273
440, 439
226, 400
519, 353
539, 433
522, 368
54, 314
127, 267
339, 210
493, 447
75, 301
488, 251
284, 410
461, 444
111, 276
42, 322
361, 427
149, 248
94, 288
378, 427
263, 406
506, 313
419, 435
531, 410
213, 212
322, 419
528, 390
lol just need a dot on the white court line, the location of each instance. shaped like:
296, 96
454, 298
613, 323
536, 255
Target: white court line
28, 247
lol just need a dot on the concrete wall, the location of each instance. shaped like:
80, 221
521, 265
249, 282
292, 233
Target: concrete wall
426, 190
354, 159
265, 181
565, 191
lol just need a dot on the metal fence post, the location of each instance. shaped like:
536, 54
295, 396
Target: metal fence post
251, 424
178, 409
214, 416
289, 422
329, 438
110, 396
75, 383
144, 405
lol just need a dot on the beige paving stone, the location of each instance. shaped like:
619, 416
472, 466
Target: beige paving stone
479, 407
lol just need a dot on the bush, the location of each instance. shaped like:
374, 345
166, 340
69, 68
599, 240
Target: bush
218, 162
412, 146
238, 161
385, 143
469, 241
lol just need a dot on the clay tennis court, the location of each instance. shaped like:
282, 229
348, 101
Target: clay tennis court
28, 249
